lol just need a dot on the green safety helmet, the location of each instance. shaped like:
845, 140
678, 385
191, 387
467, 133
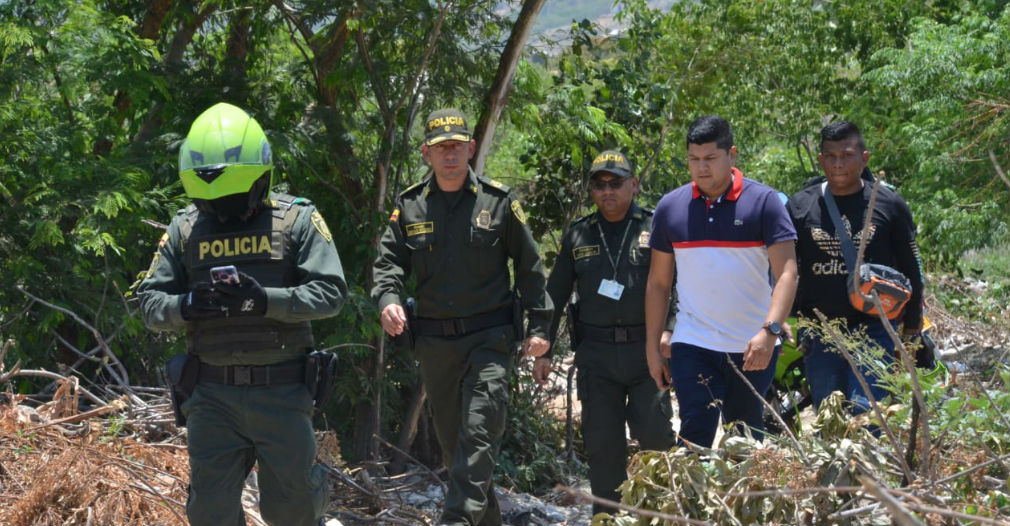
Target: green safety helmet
225, 153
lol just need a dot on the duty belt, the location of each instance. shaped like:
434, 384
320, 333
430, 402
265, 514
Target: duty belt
461, 326
626, 334
284, 373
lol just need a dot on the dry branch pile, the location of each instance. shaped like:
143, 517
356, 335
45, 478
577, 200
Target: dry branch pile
53, 474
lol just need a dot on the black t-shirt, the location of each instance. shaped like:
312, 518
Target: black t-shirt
822, 270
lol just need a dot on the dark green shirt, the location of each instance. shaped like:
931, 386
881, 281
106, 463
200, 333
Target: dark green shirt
458, 249
585, 261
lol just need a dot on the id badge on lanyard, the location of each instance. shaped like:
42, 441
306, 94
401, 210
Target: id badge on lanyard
610, 288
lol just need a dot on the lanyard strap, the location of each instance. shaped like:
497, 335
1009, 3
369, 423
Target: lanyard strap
848, 250
620, 248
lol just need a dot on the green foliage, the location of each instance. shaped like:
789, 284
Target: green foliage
712, 484
531, 458
92, 116
779, 71
938, 140
730, 483
73, 238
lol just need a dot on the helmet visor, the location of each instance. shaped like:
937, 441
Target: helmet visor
233, 179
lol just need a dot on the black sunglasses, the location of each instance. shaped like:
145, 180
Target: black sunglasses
600, 185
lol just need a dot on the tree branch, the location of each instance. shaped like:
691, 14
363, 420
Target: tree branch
121, 375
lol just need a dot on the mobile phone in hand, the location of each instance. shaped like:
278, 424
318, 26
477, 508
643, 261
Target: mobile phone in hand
224, 275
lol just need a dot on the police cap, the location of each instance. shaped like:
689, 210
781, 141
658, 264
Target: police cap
611, 161
447, 124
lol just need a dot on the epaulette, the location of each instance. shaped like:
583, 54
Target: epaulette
287, 201
413, 187
585, 219
494, 184
642, 213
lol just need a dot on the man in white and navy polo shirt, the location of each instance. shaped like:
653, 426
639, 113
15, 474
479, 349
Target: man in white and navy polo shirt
730, 243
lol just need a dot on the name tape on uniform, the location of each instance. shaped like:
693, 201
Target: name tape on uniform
416, 229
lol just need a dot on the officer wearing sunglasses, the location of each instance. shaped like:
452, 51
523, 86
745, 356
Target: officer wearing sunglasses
604, 259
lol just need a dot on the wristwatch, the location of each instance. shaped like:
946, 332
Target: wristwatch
773, 327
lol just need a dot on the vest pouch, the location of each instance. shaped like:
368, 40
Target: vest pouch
272, 340
891, 286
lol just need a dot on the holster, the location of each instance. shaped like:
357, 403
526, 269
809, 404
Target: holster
517, 316
320, 369
406, 338
573, 318
182, 371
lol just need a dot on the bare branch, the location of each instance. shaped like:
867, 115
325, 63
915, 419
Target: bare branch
839, 343
770, 409
48, 374
899, 346
900, 513
419, 463
121, 375
586, 497
999, 169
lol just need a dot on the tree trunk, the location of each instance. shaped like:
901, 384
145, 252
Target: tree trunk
236, 51
150, 29
499, 92
173, 62
409, 430
364, 413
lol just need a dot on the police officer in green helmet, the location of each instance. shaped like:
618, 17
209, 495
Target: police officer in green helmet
456, 231
243, 271
604, 259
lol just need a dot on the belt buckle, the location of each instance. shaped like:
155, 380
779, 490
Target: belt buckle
448, 327
241, 375
620, 335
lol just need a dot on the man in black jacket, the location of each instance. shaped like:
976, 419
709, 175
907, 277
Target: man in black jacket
822, 269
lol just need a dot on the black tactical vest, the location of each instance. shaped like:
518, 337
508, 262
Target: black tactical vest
261, 247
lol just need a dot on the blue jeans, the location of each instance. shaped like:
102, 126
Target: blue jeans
706, 385
827, 370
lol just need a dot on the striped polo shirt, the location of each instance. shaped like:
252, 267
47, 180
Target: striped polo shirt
724, 279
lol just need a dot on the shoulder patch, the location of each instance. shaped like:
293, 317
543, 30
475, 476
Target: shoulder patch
164, 240
320, 224
395, 216
517, 209
154, 264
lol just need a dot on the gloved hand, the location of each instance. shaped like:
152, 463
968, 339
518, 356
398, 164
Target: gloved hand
245, 298
202, 303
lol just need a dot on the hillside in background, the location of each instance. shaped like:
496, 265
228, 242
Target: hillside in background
557, 15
